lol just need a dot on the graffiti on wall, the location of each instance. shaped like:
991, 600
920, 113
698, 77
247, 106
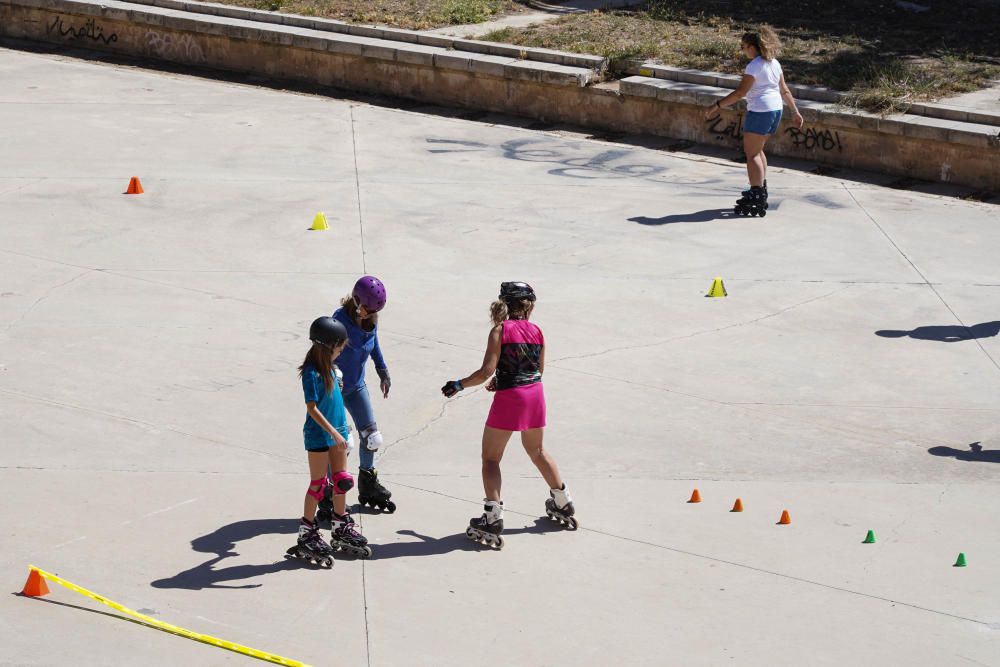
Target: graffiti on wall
808, 138
726, 130
812, 139
174, 47
89, 30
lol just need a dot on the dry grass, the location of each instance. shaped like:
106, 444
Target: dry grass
882, 56
411, 14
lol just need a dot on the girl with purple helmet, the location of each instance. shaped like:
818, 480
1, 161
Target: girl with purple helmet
358, 313
513, 365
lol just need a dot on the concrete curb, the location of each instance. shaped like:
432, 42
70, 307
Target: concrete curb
494, 77
816, 93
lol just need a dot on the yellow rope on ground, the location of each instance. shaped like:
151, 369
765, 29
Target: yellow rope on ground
167, 627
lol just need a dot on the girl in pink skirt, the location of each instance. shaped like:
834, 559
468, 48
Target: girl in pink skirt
513, 364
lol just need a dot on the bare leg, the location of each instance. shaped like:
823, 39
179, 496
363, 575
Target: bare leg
531, 440
494, 443
753, 146
317, 470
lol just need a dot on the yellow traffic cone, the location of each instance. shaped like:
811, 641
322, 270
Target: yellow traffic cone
717, 289
319, 222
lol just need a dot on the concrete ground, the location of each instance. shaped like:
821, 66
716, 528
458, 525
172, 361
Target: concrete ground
151, 441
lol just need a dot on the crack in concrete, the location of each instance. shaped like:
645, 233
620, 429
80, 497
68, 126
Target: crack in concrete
924, 278
141, 423
49, 292
744, 566
625, 348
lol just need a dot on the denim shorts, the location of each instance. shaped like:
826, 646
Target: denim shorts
762, 122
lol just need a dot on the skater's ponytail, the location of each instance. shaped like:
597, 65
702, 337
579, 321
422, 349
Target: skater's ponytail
501, 310
765, 40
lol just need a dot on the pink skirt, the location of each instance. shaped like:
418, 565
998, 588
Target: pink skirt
518, 408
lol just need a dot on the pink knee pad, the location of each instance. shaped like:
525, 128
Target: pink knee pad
342, 482
321, 484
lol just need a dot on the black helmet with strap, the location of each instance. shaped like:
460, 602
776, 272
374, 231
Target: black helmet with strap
516, 291
327, 331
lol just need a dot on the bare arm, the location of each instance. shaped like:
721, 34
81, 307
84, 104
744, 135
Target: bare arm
318, 417
786, 95
490, 360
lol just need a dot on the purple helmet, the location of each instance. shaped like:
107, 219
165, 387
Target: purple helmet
370, 293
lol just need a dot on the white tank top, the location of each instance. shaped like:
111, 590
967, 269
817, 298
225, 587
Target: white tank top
764, 95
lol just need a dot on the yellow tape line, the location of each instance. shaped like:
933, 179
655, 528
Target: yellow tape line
222, 643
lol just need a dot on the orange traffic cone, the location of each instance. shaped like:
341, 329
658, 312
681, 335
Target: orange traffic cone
695, 497
134, 186
737, 506
785, 519
35, 586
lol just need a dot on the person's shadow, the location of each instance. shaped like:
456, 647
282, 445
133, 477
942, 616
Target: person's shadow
699, 216
974, 453
425, 545
952, 333
222, 543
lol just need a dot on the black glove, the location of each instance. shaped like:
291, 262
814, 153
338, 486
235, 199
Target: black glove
383, 375
451, 388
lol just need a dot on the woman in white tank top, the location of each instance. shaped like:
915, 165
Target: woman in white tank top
763, 86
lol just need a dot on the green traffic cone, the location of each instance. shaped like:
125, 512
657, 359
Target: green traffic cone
870, 537
961, 560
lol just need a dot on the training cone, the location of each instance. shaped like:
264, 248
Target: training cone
134, 186
785, 519
319, 222
695, 497
737, 506
870, 537
961, 560
717, 289
35, 586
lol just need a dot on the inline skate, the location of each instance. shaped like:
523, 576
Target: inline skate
372, 493
753, 202
345, 536
311, 547
559, 507
486, 529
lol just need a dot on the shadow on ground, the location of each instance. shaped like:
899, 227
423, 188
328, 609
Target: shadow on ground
222, 543
975, 452
426, 545
951, 333
699, 216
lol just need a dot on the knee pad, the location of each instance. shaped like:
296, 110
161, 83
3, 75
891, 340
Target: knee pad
342, 482
371, 437
320, 485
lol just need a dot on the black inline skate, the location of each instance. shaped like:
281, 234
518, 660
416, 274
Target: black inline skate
486, 529
345, 536
560, 508
753, 202
372, 493
325, 510
311, 547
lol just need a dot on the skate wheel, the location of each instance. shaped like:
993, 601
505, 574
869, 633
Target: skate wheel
572, 524
499, 542
753, 213
737, 211
366, 553
327, 562
763, 212
390, 506
471, 534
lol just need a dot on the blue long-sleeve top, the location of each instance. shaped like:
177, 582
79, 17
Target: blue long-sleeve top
361, 344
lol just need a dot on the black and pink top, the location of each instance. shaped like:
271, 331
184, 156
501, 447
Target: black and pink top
520, 354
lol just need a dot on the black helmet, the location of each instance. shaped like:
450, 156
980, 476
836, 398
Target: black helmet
327, 331
516, 292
